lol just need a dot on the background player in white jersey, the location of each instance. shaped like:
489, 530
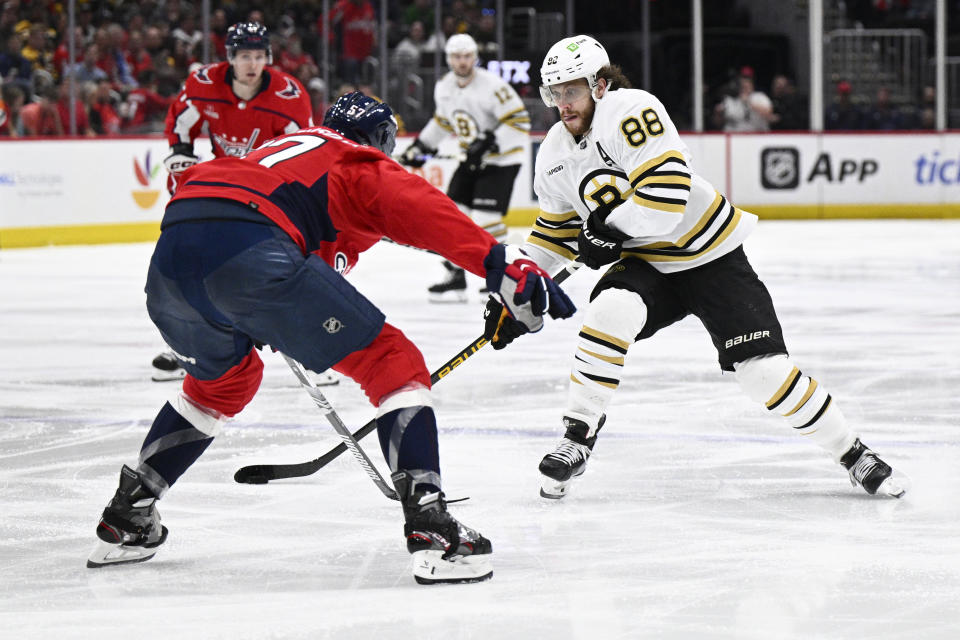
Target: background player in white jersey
492, 125
615, 186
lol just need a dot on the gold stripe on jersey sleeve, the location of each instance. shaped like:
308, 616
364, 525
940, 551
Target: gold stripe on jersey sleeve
685, 239
443, 122
667, 205
650, 165
659, 179
554, 247
516, 114
558, 218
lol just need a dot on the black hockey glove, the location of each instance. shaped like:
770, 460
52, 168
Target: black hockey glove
484, 143
416, 154
599, 244
498, 327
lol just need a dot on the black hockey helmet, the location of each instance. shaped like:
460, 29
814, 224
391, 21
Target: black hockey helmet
248, 35
363, 120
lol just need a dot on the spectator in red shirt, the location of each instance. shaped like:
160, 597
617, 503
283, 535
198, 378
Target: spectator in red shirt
137, 58
41, 118
358, 34
218, 35
61, 55
104, 119
80, 108
293, 57
144, 105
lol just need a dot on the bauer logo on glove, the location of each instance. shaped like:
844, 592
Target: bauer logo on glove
525, 290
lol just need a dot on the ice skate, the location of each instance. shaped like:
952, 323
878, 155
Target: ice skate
867, 470
129, 529
166, 367
568, 460
453, 288
444, 550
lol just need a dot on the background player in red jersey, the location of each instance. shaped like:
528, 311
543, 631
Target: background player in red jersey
252, 250
243, 104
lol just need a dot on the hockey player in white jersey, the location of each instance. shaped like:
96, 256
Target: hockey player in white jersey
492, 126
615, 185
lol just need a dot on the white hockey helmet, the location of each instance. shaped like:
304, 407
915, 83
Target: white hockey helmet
460, 43
572, 58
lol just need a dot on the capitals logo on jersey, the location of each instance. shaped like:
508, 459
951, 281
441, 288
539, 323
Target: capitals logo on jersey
236, 148
290, 92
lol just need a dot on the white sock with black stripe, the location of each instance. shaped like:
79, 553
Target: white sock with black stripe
613, 320
806, 405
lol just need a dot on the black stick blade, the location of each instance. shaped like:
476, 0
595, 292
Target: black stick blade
254, 474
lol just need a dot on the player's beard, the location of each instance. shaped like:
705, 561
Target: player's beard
584, 119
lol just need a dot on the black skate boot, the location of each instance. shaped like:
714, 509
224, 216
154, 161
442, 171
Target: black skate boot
166, 367
444, 549
453, 289
129, 529
569, 459
870, 472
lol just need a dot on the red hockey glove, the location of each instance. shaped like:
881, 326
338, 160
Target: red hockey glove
526, 290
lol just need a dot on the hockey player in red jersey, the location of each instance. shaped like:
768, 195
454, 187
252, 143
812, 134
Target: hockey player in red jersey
243, 104
252, 250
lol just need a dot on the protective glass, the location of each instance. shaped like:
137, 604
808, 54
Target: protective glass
554, 96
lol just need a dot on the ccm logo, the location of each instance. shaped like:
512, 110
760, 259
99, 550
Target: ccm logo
756, 335
181, 165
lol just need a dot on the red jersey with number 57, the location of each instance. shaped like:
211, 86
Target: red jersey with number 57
236, 126
336, 198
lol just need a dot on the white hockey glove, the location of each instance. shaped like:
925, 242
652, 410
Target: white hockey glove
525, 290
180, 159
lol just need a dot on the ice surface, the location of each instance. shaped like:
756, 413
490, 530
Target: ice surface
699, 517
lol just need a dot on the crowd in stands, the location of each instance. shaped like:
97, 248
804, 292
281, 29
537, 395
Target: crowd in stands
745, 108
131, 59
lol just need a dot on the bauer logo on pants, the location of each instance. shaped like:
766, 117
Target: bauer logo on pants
780, 168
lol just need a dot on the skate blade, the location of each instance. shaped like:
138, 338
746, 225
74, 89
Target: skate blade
893, 486
162, 375
449, 297
553, 489
429, 567
108, 553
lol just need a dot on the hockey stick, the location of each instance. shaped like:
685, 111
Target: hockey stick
459, 157
264, 473
348, 440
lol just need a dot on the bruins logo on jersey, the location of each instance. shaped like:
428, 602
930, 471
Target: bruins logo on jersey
464, 126
606, 188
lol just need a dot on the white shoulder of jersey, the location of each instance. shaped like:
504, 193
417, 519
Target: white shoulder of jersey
557, 142
616, 105
445, 86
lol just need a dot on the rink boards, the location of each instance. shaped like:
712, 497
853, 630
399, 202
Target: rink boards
69, 191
